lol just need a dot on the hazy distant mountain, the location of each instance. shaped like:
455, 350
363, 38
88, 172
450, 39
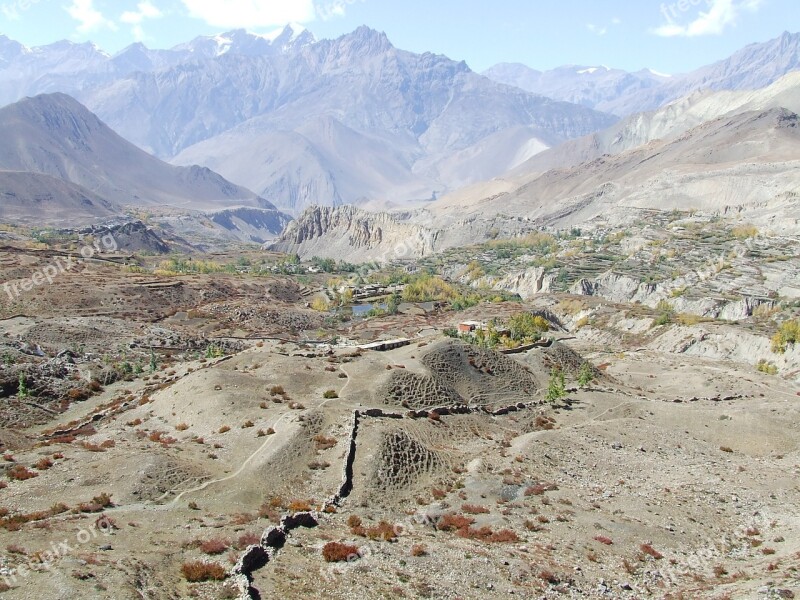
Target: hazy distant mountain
55, 135
353, 119
60, 67
717, 152
68, 67
667, 123
622, 93
719, 165
305, 122
34, 199
344, 120
596, 87
240, 41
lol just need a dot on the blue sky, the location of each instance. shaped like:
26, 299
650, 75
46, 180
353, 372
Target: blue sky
672, 36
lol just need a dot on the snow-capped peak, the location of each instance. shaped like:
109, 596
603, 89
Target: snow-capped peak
224, 44
657, 74
591, 70
295, 28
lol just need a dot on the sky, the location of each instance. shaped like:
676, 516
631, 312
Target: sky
673, 36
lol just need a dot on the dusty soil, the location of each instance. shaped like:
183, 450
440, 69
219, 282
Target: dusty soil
670, 475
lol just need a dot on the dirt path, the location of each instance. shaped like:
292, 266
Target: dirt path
278, 435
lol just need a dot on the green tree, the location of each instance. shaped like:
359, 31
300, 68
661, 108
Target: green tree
585, 375
393, 303
23, 391
557, 388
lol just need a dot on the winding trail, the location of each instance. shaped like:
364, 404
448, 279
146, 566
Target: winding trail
238, 472
258, 451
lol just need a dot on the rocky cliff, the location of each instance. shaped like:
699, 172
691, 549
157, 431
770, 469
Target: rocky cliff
348, 233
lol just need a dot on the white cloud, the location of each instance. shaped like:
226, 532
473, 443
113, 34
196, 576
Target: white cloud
144, 10
252, 14
596, 29
616, 21
10, 12
330, 9
89, 18
720, 15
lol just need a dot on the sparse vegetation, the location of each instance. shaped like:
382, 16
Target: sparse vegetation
556, 388
585, 375
20, 473
213, 546
339, 552
788, 333
650, 551
767, 367
199, 571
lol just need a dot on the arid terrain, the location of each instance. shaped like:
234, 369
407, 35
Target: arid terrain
289, 317
174, 435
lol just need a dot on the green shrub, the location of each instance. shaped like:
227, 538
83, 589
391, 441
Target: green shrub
585, 375
767, 367
556, 389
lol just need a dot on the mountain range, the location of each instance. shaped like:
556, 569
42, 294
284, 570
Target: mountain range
353, 120
309, 122
623, 93
59, 163
716, 152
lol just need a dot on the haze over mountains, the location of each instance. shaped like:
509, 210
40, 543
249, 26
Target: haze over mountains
716, 152
352, 121
622, 93
60, 164
413, 125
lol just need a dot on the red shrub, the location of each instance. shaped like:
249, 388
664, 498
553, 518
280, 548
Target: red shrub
197, 571
382, 531
540, 488
452, 522
44, 464
214, 546
648, 549
474, 509
20, 473
338, 552
603, 540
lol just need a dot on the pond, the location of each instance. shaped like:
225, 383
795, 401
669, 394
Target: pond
360, 310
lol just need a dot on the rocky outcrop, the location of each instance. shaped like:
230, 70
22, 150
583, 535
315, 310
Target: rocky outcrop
131, 237
252, 224
349, 233
526, 283
623, 288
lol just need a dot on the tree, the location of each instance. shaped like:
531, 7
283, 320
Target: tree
788, 333
393, 303
585, 375
23, 391
556, 389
